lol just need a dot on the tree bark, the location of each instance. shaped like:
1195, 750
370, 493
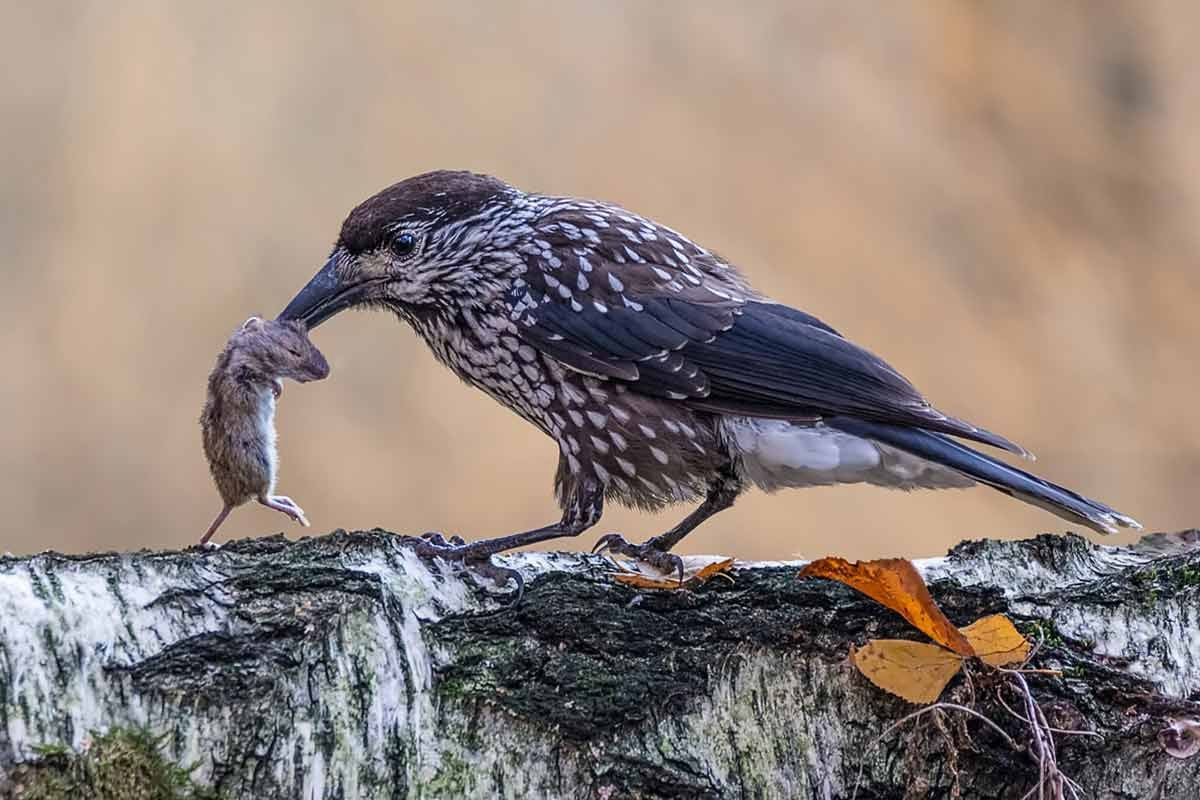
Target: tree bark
345, 667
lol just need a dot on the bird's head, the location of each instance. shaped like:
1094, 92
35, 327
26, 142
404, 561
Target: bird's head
427, 244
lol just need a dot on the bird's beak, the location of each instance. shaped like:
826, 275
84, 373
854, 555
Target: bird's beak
322, 297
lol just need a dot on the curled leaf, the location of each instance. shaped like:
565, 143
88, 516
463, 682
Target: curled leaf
915, 671
696, 570
895, 583
997, 641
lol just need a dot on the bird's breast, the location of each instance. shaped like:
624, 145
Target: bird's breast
644, 451
487, 354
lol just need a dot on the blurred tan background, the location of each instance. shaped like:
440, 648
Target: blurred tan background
1001, 198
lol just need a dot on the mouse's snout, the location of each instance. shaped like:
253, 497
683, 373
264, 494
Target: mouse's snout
316, 368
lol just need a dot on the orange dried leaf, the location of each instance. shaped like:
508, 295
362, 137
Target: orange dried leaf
915, 671
895, 583
711, 569
997, 641
645, 581
696, 570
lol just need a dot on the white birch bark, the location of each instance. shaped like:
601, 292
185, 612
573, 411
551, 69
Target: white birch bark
344, 667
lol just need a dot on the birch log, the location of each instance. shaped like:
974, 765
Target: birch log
344, 667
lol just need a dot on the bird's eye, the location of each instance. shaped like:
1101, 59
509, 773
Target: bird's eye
404, 244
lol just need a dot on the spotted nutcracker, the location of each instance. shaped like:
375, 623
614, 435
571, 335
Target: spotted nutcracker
660, 373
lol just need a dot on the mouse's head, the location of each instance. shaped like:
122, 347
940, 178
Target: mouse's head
281, 350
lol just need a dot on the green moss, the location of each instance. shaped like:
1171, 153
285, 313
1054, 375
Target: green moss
1144, 577
584, 657
454, 778
1145, 587
1074, 672
1189, 575
1052, 638
1181, 578
51, 750
1152, 585
1042, 631
123, 764
487, 680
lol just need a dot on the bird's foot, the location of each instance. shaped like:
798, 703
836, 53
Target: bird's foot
436, 539
661, 560
474, 558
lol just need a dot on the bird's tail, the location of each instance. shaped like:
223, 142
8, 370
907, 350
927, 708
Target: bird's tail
941, 449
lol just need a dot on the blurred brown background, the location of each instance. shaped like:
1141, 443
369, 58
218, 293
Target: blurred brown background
1001, 198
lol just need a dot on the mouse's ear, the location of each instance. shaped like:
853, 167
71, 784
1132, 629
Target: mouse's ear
254, 323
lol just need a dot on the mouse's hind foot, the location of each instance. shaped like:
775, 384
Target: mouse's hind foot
285, 505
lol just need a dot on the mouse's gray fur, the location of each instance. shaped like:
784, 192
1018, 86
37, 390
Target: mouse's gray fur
238, 421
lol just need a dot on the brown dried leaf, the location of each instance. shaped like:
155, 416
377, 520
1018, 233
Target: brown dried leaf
696, 570
997, 641
895, 583
915, 671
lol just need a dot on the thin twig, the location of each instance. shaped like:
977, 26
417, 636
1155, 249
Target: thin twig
1037, 646
1052, 783
1045, 751
1027, 721
920, 713
966, 673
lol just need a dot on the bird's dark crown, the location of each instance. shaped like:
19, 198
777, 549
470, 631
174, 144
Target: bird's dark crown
448, 194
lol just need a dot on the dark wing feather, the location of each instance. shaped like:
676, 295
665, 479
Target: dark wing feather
674, 321
775, 361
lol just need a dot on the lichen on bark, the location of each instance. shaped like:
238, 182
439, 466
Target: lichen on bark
122, 764
343, 666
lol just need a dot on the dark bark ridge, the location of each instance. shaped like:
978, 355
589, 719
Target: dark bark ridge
342, 666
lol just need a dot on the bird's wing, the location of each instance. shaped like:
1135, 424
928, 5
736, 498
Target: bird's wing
681, 324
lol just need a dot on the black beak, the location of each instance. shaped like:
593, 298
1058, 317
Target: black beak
322, 297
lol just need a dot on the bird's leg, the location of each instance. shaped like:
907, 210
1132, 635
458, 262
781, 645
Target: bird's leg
216, 524
284, 504
581, 513
656, 550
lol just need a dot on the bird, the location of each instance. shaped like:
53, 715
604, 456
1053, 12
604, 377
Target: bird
663, 376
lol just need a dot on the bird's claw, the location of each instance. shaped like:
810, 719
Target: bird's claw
440, 540
434, 545
498, 575
664, 562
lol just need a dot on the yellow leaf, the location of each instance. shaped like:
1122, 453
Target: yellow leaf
696, 570
915, 671
895, 583
997, 641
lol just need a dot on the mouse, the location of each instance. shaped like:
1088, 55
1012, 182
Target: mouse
238, 421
